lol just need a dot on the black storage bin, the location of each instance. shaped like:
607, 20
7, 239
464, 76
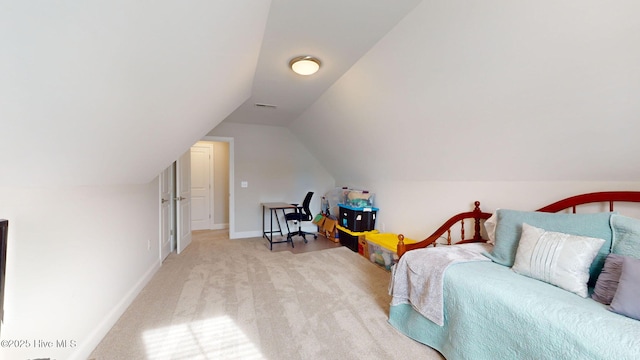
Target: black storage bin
348, 240
357, 219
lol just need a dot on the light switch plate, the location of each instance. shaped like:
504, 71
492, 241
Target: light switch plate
244, 184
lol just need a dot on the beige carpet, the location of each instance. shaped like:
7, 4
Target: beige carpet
235, 299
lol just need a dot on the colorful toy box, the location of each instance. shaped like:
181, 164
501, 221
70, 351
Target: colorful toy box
382, 248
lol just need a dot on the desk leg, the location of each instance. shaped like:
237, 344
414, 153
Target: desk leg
278, 221
264, 231
289, 236
271, 229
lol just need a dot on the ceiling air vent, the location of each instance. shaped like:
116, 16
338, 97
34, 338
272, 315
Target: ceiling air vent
265, 106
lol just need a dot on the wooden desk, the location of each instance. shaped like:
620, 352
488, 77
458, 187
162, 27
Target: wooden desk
273, 209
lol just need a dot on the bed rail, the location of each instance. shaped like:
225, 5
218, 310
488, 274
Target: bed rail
477, 215
595, 197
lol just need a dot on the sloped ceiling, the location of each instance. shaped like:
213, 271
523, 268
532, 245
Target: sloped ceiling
110, 92
337, 32
489, 90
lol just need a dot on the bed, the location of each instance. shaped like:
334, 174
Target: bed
491, 308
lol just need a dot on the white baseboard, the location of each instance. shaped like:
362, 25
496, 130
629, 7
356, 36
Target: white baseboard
211, 227
220, 226
250, 234
112, 317
245, 234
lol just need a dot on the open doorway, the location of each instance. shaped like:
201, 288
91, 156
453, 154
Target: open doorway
175, 206
212, 184
169, 213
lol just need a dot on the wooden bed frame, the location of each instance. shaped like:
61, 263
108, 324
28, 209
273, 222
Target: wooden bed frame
477, 216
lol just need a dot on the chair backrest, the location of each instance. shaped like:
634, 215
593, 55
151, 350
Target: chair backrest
305, 205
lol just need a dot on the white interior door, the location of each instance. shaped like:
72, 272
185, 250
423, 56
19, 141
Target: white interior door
202, 186
165, 212
230, 204
183, 199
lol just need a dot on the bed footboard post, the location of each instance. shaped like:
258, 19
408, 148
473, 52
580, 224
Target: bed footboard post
401, 249
476, 234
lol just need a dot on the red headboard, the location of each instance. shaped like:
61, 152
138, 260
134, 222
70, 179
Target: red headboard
596, 197
477, 215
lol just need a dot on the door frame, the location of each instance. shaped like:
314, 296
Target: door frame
172, 211
232, 216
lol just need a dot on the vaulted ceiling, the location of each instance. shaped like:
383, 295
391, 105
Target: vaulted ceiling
337, 32
112, 92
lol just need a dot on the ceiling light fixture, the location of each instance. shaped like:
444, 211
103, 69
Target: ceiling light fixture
304, 65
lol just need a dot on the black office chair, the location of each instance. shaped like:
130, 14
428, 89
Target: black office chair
302, 213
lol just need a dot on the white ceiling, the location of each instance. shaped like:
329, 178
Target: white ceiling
112, 92
337, 32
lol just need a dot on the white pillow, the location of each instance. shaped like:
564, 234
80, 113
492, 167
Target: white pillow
490, 225
556, 258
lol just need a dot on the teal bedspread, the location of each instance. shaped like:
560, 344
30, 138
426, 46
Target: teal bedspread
493, 313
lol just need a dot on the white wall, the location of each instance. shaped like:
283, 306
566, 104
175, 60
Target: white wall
76, 257
276, 166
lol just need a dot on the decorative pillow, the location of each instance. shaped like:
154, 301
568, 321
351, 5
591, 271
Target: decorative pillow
626, 301
490, 226
556, 258
509, 230
626, 236
607, 283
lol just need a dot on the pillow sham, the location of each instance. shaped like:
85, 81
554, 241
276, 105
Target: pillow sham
626, 236
607, 282
625, 302
509, 230
556, 258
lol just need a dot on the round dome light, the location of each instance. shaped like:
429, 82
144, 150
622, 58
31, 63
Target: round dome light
304, 65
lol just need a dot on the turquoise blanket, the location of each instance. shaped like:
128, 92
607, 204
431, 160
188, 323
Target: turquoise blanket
493, 313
